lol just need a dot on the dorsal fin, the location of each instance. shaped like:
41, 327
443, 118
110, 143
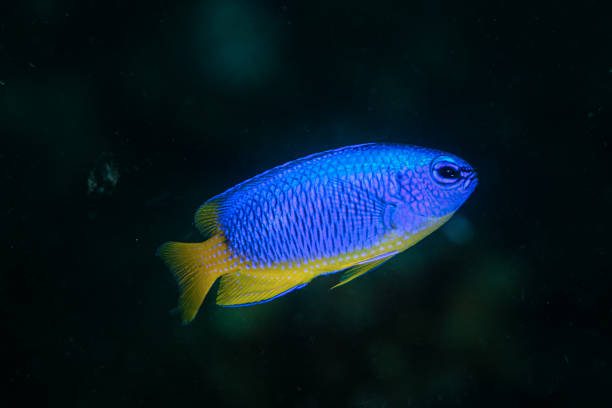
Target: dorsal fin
282, 169
206, 217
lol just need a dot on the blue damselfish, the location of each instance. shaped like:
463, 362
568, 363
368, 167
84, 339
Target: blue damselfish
349, 209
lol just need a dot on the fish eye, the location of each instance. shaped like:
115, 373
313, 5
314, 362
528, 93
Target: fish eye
448, 172
445, 172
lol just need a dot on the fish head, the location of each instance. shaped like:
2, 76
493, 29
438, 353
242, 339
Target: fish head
435, 184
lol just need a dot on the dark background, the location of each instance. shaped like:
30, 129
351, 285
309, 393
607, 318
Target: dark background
118, 119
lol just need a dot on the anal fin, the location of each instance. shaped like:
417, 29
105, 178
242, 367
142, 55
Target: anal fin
242, 289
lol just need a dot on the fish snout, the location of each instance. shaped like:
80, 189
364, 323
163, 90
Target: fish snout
470, 177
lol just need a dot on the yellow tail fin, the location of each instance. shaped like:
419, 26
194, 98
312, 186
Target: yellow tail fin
195, 266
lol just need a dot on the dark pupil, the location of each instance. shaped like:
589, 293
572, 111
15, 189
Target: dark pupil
448, 172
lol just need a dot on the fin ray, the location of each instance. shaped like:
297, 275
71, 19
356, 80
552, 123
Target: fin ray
241, 289
361, 201
195, 266
206, 218
361, 269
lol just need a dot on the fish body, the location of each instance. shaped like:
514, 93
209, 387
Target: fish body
350, 209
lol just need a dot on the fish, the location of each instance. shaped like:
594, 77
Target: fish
349, 210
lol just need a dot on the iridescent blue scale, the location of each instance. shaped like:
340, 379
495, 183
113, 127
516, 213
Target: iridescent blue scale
299, 211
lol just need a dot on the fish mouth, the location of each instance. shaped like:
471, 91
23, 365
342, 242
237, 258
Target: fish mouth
471, 180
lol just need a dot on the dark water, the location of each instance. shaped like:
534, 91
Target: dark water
118, 119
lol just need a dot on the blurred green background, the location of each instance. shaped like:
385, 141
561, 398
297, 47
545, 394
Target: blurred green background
118, 119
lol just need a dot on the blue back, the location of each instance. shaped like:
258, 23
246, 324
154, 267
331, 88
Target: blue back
323, 205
